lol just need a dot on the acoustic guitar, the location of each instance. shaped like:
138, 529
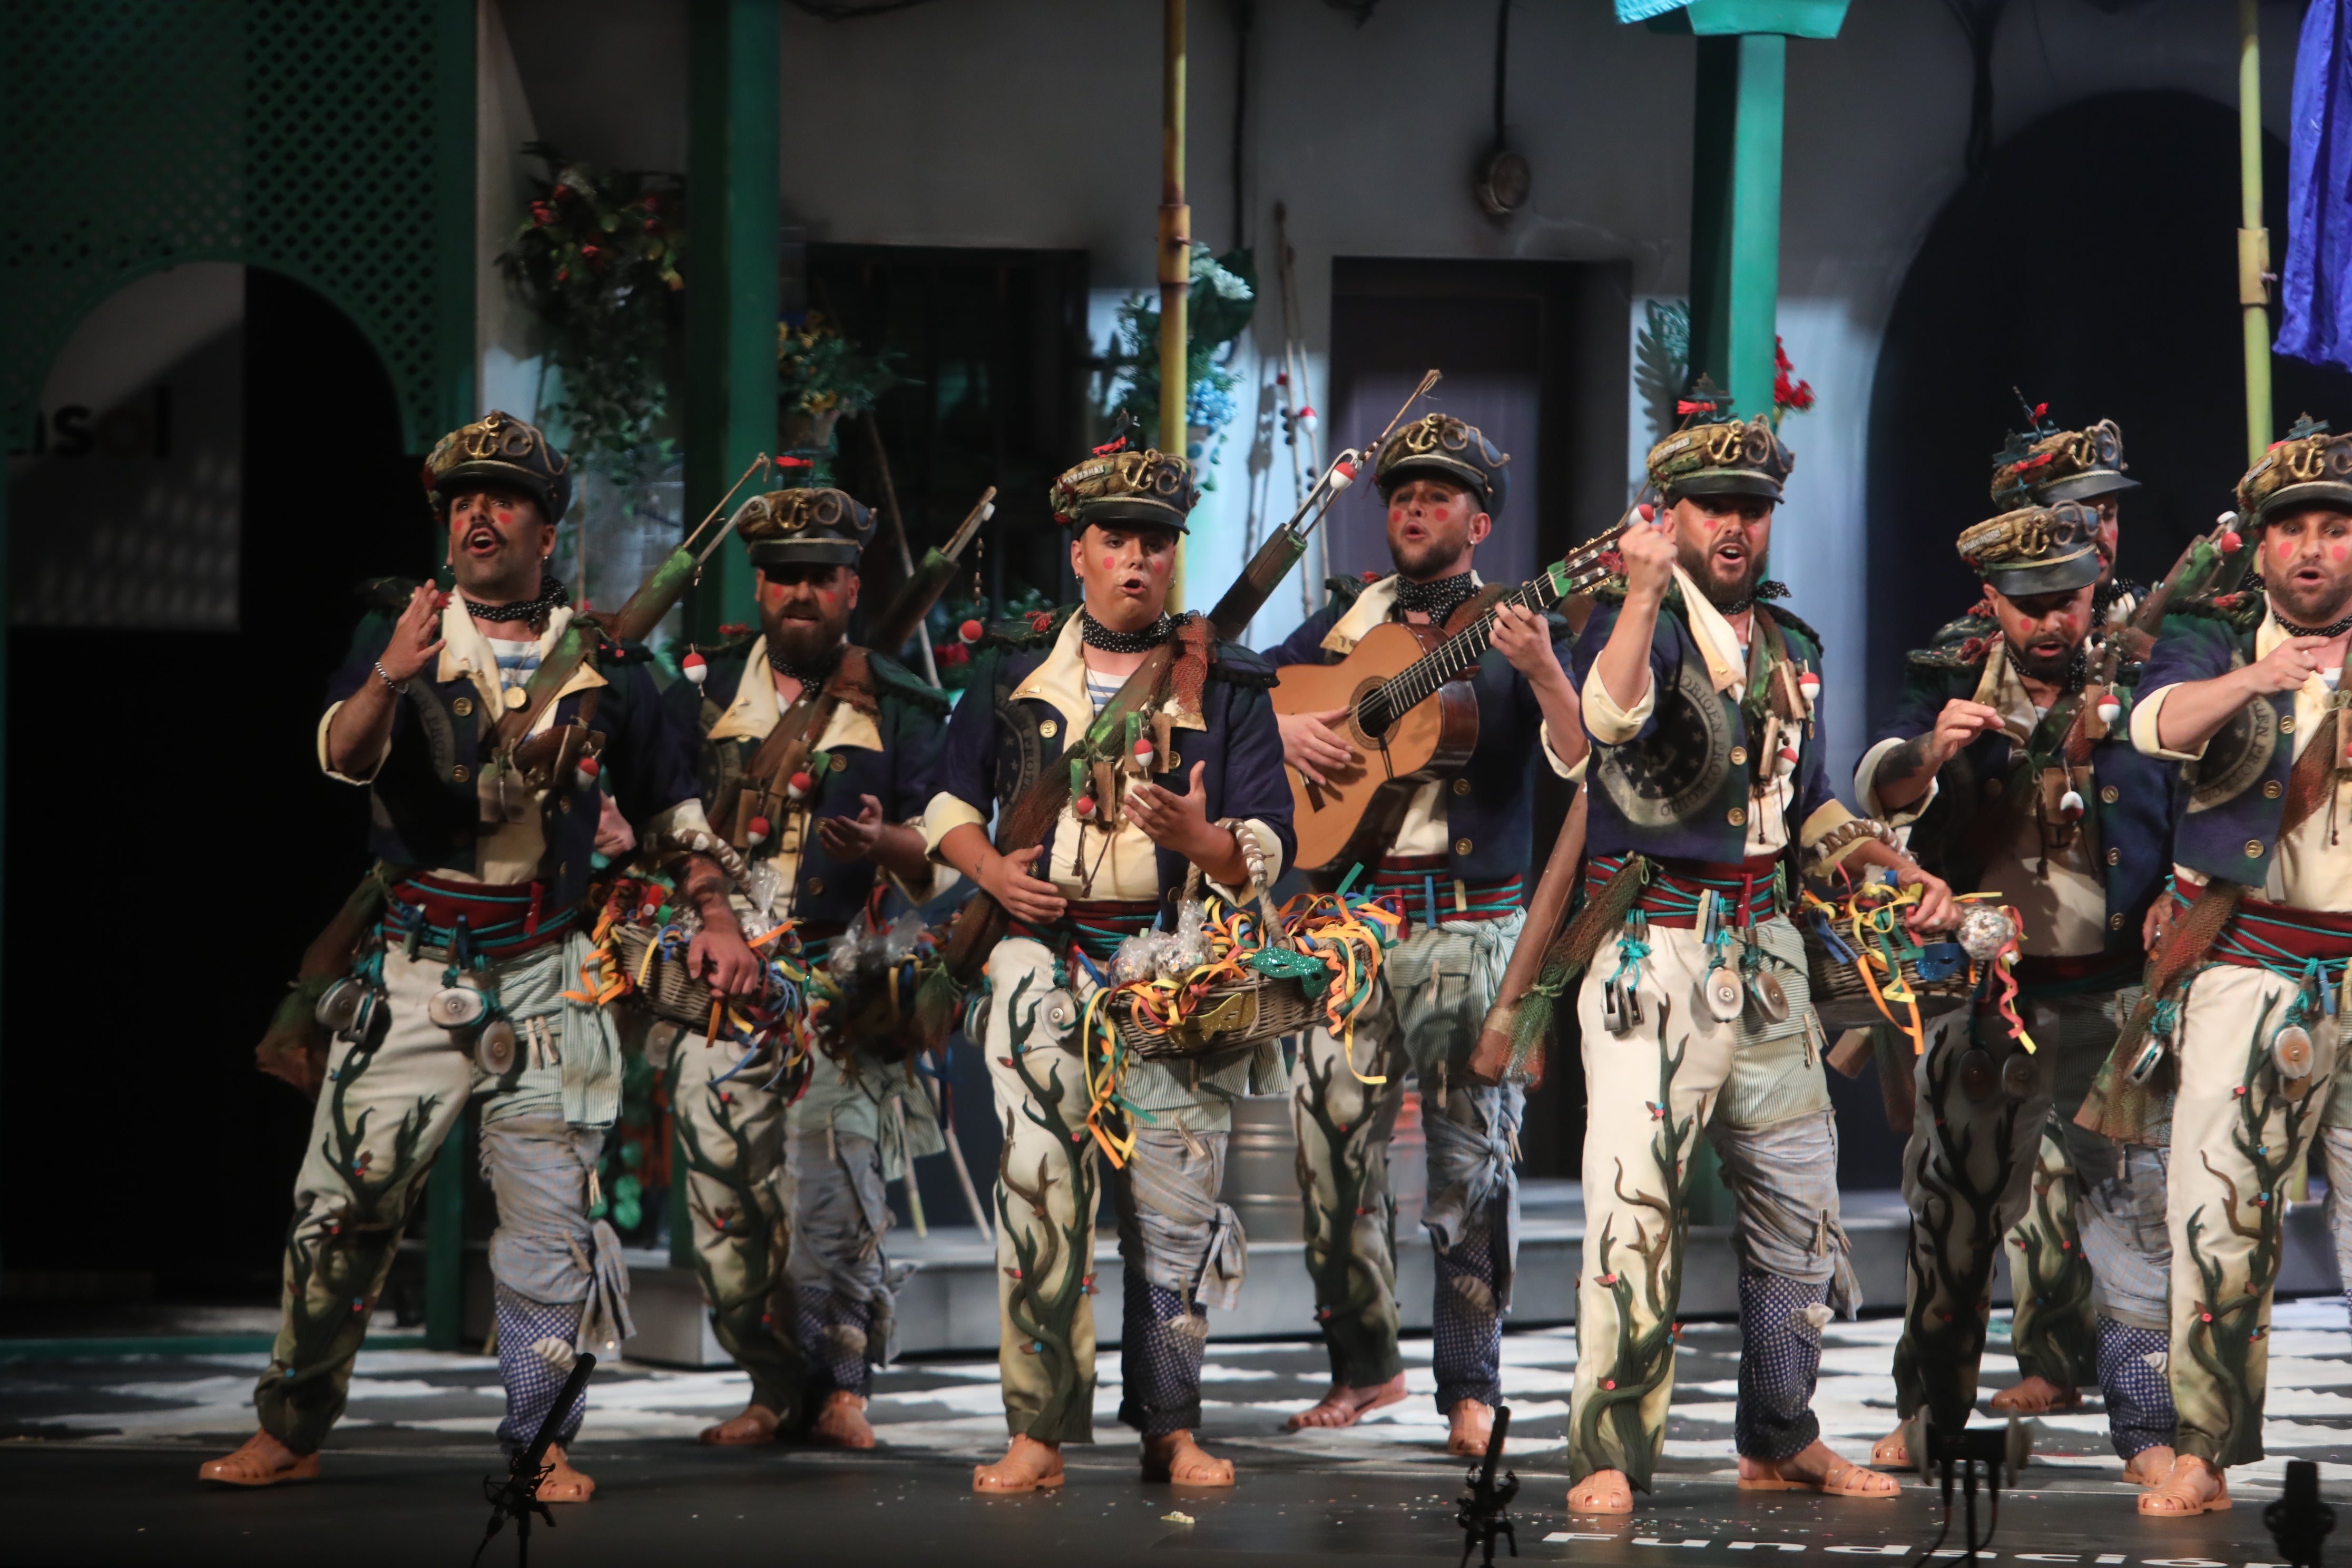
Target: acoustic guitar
1412, 714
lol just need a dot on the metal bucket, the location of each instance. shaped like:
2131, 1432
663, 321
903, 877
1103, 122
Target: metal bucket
1261, 1170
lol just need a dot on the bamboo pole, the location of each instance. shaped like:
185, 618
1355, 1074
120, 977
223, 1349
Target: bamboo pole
1175, 257
2253, 240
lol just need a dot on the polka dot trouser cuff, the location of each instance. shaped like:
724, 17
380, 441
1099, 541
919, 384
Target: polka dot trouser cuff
1465, 1328
2136, 1386
535, 1348
1161, 1359
1779, 1357
833, 1329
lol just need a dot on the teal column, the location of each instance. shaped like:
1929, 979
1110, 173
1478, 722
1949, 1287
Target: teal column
735, 68
1735, 214
457, 385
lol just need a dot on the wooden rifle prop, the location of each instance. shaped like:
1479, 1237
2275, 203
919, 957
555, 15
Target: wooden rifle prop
550, 756
517, 1497
1485, 1505
768, 779
2207, 557
1388, 681
980, 924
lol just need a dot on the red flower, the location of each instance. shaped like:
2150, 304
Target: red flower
953, 653
1793, 395
2039, 410
1039, 619
1781, 355
588, 252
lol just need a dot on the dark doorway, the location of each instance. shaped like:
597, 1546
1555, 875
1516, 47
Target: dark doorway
175, 838
2094, 268
1533, 354
993, 347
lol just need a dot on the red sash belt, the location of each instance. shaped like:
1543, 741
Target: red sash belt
1749, 890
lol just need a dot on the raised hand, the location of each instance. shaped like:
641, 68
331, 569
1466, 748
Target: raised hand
416, 636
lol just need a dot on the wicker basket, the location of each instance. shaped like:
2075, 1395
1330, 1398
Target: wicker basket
1232, 1016
668, 991
1937, 974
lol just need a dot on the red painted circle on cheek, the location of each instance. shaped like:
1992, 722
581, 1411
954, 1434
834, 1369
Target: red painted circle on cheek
1159, 565
2336, 553
1110, 562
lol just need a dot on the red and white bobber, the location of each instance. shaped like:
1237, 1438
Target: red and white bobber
1082, 808
1786, 763
2070, 806
584, 771
2230, 544
1809, 687
1143, 753
755, 832
2110, 710
1343, 474
970, 631
799, 788
695, 668
1309, 421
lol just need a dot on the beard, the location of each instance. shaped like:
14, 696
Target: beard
2313, 605
2051, 665
1725, 595
805, 645
1430, 558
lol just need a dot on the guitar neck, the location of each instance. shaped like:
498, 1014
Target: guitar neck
1419, 680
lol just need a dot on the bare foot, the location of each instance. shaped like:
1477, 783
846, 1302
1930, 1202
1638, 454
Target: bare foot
1814, 1468
1174, 1456
1471, 1423
2034, 1396
1602, 1491
564, 1484
1891, 1452
2149, 1466
1028, 1466
1344, 1406
842, 1424
263, 1461
756, 1425
2192, 1487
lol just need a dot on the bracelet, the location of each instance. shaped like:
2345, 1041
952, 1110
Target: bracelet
400, 688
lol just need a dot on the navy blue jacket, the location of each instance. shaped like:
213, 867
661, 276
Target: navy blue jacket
911, 717
1496, 816
2129, 802
1713, 824
2234, 838
424, 808
996, 743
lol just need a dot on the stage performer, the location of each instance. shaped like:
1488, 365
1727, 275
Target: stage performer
808, 1329
1209, 795
2245, 690
1708, 795
1456, 864
1977, 765
487, 861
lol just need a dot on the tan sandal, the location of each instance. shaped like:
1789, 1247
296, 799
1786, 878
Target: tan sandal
2037, 1395
261, 1461
1892, 1452
1028, 1466
1843, 1479
757, 1424
2177, 1495
842, 1423
1176, 1457
1602, 1491
1345, 1406
2148, 1468
1470, 1423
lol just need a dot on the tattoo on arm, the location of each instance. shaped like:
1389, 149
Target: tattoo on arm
1902, 764
702, 880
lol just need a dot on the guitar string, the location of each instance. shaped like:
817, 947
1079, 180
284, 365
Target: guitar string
1422, 678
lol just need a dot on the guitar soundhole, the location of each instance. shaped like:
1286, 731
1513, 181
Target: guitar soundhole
1367, 721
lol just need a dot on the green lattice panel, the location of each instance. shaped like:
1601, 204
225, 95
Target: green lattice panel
330, 143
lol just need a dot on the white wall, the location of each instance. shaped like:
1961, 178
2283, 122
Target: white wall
1036, 122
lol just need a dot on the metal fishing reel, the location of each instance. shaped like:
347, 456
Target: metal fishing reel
355, 1011
496, 1048
2292, 1053
459, 1007
1723, 993
1765, 990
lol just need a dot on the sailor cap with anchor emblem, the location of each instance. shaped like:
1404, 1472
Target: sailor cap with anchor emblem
499, 449
805, 527
2045, 465
1716, 455
1130, 487
2310, 467
2035, 550
1442, 447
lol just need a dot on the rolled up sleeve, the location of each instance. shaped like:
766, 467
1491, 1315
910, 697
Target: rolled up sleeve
1865, 787
945, 814
327, 766
1552, 754
2145, 728
1609, 724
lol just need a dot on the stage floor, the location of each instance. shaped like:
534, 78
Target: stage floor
100, 1457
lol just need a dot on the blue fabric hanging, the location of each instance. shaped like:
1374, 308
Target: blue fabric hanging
2316, 283
1642, 10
